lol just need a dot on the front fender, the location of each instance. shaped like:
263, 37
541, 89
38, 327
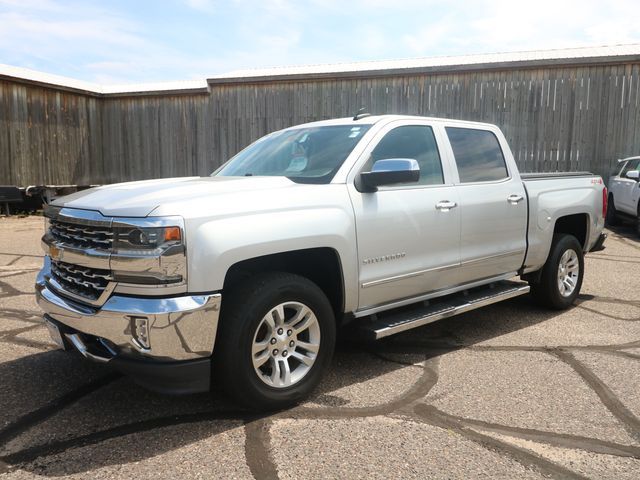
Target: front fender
215, 245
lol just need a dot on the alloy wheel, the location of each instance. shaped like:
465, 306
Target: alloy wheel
568, 273
286, 344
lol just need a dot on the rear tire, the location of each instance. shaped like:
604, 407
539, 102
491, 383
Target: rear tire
611, 218
561, 278
276, 339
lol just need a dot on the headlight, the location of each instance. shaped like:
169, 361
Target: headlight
148, 253
147, 239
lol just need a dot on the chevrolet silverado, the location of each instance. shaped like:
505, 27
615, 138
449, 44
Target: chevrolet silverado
372, 224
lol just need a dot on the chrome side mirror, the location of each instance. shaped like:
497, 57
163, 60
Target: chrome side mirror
634, 175
389, 172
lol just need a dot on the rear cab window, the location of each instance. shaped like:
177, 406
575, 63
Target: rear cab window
477, 154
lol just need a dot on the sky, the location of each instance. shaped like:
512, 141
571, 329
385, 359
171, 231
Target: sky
133, 41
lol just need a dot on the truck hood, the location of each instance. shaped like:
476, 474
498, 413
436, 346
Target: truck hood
139, 199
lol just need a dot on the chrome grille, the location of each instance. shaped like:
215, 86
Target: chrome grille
82, 236
85, 282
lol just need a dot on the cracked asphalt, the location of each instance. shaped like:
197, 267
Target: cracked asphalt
510, 391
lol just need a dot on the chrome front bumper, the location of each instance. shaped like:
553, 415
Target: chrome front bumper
179, 328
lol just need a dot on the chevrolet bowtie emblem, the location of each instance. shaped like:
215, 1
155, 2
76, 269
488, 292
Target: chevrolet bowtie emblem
55, 252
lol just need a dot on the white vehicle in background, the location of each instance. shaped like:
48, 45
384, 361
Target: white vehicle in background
624, 193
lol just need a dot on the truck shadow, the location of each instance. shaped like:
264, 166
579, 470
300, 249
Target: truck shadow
63, 416
624, 230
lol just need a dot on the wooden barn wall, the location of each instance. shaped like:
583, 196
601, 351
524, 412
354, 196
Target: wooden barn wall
48, 136
573, 118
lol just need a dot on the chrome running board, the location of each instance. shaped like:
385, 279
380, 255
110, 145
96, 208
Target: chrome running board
399, 320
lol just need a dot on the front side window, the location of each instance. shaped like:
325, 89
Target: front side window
478, 155
412, 141
631, 165
304, 155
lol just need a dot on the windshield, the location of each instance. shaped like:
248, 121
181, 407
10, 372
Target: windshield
305, 155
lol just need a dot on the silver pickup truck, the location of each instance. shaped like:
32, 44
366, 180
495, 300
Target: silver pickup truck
242, 278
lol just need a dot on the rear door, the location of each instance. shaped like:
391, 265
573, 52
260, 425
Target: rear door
493, 206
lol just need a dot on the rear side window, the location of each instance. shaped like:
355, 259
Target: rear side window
412, 141
478, 155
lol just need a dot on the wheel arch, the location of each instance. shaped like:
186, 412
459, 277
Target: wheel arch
321, 265
576, 224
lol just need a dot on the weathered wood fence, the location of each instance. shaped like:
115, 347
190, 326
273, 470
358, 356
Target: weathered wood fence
580, 116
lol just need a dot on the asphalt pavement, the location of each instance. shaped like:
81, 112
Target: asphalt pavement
509, 391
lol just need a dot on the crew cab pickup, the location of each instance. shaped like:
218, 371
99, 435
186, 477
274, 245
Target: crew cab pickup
371, 224
624, 193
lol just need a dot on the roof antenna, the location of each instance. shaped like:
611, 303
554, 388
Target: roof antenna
361, 114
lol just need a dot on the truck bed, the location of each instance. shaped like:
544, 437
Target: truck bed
549, 175
560, 194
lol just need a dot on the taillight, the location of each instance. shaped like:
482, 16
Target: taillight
605, 199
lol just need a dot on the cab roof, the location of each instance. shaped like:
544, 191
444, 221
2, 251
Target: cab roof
373, 119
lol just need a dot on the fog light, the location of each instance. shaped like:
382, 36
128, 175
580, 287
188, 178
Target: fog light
140, 331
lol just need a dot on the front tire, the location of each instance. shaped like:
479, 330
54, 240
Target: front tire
561, 278
277, 336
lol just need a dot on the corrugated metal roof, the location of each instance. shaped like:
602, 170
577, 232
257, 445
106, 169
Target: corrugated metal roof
447, 61
155, 87
190, 86
557, 56
46, 78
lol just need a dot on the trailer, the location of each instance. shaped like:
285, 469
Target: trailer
29, 199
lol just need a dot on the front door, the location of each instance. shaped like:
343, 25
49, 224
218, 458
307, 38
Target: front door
408, 235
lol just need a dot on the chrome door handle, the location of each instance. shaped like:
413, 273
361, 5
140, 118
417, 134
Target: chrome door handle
446, 205
514, 199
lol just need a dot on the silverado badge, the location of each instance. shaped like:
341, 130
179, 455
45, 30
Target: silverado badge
384, 258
